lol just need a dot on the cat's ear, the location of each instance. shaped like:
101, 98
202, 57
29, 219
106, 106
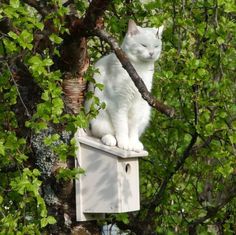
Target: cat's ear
160, 31
132, 28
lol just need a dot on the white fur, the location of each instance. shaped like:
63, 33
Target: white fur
126, 114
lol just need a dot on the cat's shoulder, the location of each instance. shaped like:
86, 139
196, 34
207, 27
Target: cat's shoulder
107, 60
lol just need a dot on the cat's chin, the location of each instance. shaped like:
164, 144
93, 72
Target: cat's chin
148, 60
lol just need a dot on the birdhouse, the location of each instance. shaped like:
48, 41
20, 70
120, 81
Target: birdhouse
111, 180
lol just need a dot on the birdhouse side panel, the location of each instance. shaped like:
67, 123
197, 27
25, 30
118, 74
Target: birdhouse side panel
99, 185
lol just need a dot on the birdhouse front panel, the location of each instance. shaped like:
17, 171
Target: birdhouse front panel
128, 184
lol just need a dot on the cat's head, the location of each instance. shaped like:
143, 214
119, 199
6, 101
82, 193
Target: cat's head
142, 44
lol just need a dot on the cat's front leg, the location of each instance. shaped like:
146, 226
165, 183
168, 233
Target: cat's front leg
134, 142
122, 141
139, 116
122, 136
119, 119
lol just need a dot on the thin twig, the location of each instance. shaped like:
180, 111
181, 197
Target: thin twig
66, 4
94, 12
230, 194
19, 94
158, 197
195, 104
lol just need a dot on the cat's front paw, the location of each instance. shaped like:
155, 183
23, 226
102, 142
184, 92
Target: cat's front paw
109, 140
136, 146
123, 143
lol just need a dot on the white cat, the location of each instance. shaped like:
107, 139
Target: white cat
126, 114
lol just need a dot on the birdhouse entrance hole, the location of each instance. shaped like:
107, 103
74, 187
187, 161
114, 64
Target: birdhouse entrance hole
127, 168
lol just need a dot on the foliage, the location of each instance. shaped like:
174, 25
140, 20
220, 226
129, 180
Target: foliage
22, 207
195, 75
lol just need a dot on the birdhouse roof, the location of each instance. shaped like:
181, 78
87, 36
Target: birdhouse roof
96, 143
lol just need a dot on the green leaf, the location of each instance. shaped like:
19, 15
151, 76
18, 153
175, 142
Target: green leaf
67, 174
27, 124
10, 46
232, 138
21, 158
225, 170
45, 96
25, 39
35, 60
220, 40
47, 220
56, 39
13, 35
209, 128
103, 105
48, 62
89, 94
123, 217
2, 149
51, 220
43, 222
99, 86
15, 3
36, 172
39, 25
202, 72
1, 16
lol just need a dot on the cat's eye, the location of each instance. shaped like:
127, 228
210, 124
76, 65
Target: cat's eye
157, 46
143, 45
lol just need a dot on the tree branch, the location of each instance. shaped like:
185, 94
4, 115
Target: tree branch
75, 45
225, 197
94, 12
151, 207
157, 198
168, 111
5, 25
18, 92
66, 4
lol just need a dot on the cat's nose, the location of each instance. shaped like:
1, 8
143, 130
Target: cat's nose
151, 54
